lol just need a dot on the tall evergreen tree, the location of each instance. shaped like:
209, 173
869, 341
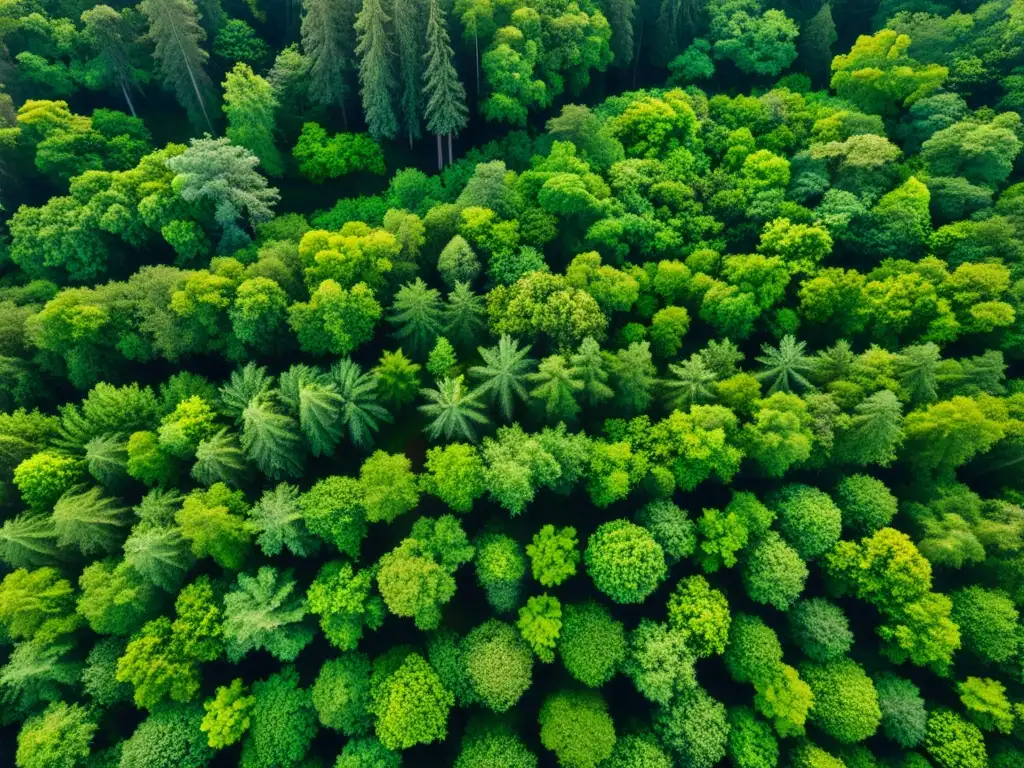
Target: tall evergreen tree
620, 15
816, 38
112, 66
375, 77
327, 42
176, 36
446, 98
249, 104
409, 27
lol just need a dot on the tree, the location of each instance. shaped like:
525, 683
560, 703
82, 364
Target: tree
225, 175
59, 737
219, 459
493, 743
445, 109
411, 705
670, 527
985, 618
774, 573
817, 36
270, 439
115, 599
540, 623
845, 701
44, 477
376, 79
283, 723
953, 742
263, 613
170, 737
408, 26
455, 474
592, 644
751, 742
327, 43
808, 519
417, 313
336, 320
175, 32
785, 363
633, 374
557, 385
689, 383
324, 157
694, 727
553, 555
625, 561
498, 663
343, 599
227, 715
820, 629
250, 104
36, 604
576, 726
986, 704
278, 521
341, 694
880, 77
360, 412
112, 66
904, 719
397, 378
762, 45
702, 613
591, 368
388, 487
333, 511
453, 410
502, 374
88, 521
500, 567
659, 662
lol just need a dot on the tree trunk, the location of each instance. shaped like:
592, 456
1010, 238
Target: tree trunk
344, 114
639, 44
476, 48
192, 77
440, 154
451, 157
127, 97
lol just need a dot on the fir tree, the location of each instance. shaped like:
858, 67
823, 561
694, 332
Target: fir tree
816, 39
176, 36
409, 27
375, 77
112, 67
446, 98
327, 42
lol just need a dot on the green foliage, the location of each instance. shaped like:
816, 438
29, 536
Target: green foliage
170, 736
341, 694
694, 727
500, 568
343, 599
498, 664
808, 519
820, 629
953, 742
904, 719
659, 662
455, 474
323, 157
625, 561
262, 613
59, 738
553, 555
701, 613
388, 487
282, 723
227, 715
845, 701
410, 705
592, 644
576, 726
774, 573
540, 623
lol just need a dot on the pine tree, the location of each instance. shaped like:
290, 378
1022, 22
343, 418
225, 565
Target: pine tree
159, 553
464, 315
558, 385
816, 39
106, 458
590, 364
503, 372
249, 104
446, 110
409, 27
176, 36
244, 384
689, 383
375, 77
416, 312
327, 42
620, 15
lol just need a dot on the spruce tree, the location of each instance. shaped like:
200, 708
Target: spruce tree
375, 77
327, 42
112, 66
176, 36
446, 98
620, 15
409, 28
816, 39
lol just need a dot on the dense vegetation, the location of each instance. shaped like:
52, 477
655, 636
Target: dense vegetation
681, 429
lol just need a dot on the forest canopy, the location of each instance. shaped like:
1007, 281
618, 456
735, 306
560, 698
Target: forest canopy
590, 383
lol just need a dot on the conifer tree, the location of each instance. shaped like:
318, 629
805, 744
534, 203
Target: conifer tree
446, 98
816, 39
176, 35
409, 27
249, 104
375, 77
112, 66
327, 42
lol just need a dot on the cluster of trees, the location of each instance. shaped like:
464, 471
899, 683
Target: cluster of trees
686, 431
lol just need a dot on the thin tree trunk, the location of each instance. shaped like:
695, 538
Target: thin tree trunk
192, 77
639, 47
127, 97
476, 48
440, 154
344, 114
451, 157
